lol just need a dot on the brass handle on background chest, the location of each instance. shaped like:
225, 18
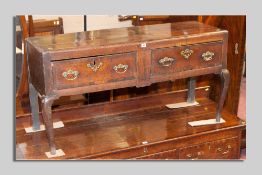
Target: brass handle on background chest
70, 74
186, 53
167, 61
120, 68
222, 151
194, 157
207, 56
94, 66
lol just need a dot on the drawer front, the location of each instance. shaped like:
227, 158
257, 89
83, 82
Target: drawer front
123, 154
228, 148
166, 155
156, 151
225, 149
195, 152
219, 149
178, 59
94, 70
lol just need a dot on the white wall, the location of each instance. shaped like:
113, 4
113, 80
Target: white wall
94, 22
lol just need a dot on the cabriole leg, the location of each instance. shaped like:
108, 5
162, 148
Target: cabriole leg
47, 116
225, 82
33, 96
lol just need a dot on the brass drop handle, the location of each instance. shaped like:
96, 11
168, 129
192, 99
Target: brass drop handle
94, 66
167, 61
225, 152
70, 74
199, 153
120, 68
189, 155
186, 53
207, 56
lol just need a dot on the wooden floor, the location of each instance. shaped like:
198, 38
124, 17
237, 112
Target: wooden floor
104, 127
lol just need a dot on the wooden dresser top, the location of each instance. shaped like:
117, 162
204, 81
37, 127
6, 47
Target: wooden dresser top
120, 36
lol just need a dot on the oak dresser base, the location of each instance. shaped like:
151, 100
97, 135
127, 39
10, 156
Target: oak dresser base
86, 62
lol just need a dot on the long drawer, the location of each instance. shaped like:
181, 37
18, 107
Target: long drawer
220, 149
165, 155
227, 148
184, 58
94, 70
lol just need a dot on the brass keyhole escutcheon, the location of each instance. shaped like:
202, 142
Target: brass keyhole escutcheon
94, 66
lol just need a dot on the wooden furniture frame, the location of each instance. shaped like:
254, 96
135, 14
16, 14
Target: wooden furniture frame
100, 60
45, 27
31, 28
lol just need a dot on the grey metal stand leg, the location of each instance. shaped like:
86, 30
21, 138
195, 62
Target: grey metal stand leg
34, 107
191, 101
191, 90
225, 82
47, 116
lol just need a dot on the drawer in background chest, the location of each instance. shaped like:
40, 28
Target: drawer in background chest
220, 149
178, 59
165, 155
94, 70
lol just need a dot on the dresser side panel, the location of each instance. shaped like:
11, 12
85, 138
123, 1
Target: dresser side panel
35, 67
